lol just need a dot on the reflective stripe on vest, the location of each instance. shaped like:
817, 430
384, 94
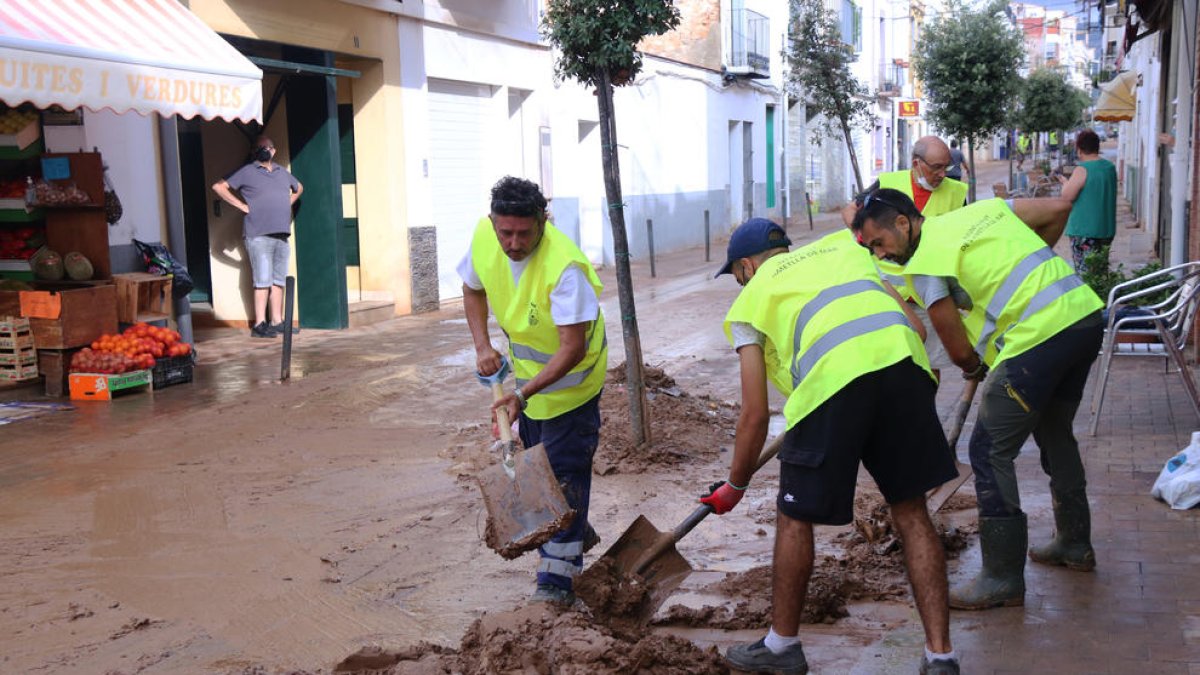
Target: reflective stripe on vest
821, 301
1043, 298
1006, 292
528, 353
847, 331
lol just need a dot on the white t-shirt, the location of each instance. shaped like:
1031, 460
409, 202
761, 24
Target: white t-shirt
572, 301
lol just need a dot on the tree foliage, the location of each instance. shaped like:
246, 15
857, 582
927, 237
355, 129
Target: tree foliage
968, 61
595, 36
1050, 103
820, 74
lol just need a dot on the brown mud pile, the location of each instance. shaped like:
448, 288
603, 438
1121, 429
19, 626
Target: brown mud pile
615, 599
543, 639
869, 567
683, 427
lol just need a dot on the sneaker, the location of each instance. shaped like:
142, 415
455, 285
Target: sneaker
553, 594
278, 328
262, 330
756, 657
938, 667
590, 538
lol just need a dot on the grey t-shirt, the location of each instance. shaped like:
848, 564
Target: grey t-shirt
269, 196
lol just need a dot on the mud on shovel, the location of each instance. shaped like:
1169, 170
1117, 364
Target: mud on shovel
937, 497
524, 501
645, 556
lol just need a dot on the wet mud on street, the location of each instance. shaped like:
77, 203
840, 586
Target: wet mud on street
240, 525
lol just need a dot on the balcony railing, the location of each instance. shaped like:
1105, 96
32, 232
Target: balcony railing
749, 44
891, 79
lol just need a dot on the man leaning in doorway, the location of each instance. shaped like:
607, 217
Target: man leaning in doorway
267, 192
928, 187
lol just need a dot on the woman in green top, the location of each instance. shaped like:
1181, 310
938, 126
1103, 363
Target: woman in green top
1093, 189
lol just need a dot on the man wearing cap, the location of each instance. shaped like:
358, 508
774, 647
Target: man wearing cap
928, 186
1036, 326
827, 331
545, 296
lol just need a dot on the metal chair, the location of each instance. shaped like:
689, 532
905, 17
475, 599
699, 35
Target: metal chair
1169, 320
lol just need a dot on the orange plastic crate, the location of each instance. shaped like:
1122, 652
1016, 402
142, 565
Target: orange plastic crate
100, 386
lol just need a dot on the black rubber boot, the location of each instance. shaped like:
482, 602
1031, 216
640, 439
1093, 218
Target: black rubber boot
1001, 581
1072, 543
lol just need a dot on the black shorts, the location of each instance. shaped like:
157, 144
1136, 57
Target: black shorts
886, 419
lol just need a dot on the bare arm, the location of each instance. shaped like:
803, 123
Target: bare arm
299, 190
753, 421
908, 311
572, 347
224, 192
1073, 185
1047, 217
487, 359
949, 326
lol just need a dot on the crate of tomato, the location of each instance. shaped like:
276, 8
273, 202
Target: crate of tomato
140, 347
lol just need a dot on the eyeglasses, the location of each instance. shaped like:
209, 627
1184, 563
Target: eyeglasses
934, 167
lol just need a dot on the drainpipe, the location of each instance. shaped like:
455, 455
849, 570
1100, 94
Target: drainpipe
168, 141
1179, 164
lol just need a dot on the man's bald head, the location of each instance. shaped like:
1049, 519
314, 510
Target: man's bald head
931, 157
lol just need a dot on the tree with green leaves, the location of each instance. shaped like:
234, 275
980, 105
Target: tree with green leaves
1050, 103
968, 61
820, 74
597, 44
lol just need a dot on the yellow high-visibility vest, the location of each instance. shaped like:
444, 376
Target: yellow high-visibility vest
949, 195
1022, 294
827, 321
523, 312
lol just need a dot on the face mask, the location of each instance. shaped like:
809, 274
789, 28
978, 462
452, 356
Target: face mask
263, 154
923, 182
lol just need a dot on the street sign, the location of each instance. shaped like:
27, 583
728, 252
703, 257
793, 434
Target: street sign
909, 109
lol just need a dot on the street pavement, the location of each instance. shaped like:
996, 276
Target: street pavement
1138, 612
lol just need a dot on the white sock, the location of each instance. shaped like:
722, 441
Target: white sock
934, 656
777, 643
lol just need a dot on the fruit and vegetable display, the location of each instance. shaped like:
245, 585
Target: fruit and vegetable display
13, 120
136, 349
46, 193
12, 189
20, 243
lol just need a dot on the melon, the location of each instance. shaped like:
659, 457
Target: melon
48, 266
77, 266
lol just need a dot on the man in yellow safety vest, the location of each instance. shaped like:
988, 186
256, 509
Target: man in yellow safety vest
1032, 322
545, 295
823, 327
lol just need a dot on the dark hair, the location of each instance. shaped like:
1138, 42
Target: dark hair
1087, 141
954, 142
882, 206
513, 196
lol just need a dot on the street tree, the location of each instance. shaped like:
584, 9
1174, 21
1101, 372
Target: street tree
967, 61
819, 63
597, 47
1050, 103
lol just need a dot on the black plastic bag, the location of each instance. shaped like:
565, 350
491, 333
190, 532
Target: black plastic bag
160, 261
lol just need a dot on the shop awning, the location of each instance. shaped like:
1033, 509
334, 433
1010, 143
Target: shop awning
142, 55
1117, 102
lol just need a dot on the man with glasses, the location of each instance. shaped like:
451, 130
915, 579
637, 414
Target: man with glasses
1001, 300
546, 297
823, 327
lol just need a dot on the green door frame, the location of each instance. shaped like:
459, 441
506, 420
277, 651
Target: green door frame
770, 157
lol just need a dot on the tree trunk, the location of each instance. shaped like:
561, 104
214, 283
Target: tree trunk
853, 156
635, 380
971, 161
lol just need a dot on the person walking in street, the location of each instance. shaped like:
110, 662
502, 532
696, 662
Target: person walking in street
1033, 323
1023, 147
957, 163
929, 186
267, 192
823, 327
1093, 189
546, 297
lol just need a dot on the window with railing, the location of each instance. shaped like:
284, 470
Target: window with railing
852, 25
749, 41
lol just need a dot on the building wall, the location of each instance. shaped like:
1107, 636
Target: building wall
697, 40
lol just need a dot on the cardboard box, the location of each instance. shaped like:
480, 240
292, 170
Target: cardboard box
65, 315
21, 140
18, 373
100, 387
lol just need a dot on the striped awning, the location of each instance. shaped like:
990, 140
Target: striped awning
1117, 101
142, 55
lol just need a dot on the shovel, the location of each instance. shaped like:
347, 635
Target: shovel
938, 496
644, 556
524, 501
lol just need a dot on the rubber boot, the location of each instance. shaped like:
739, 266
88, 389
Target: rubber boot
1001, 581
1072, 543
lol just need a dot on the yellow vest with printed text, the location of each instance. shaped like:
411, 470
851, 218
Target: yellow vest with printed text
1022, 294
827, 321
523, 311
949, 195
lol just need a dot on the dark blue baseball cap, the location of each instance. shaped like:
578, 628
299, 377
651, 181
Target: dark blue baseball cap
751, 238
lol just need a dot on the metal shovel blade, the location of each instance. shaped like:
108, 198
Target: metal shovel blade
524, 511
661, 574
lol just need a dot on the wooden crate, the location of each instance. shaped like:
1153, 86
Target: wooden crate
142, 297
16, 349
55, 365
65, 315
18, 373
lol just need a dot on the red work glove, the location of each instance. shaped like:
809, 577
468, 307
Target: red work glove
722, 497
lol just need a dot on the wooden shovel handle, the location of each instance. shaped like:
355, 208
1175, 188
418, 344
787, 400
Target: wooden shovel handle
502, 421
